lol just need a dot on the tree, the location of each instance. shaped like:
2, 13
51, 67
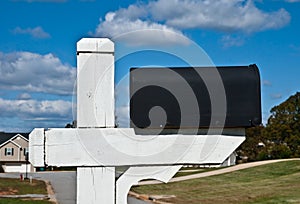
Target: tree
281, 136
73, 125
254, 147
283, 128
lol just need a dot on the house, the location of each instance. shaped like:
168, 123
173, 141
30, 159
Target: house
13, 150
230, 161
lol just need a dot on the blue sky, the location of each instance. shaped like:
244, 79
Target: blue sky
38, 48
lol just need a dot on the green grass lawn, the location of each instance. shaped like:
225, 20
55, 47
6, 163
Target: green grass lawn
272, 183
22, 187
10, 186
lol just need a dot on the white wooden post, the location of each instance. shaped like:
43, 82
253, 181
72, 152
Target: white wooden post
95, 83
95, 108
95, 185
96, 147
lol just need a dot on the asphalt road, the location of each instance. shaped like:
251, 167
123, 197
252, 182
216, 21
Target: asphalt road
64, 185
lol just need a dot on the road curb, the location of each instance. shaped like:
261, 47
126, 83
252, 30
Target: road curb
50, 192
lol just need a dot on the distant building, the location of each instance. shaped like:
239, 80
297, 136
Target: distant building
13, 150
230, 161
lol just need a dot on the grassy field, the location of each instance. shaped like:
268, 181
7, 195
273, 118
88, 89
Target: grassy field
272, 183
10, 186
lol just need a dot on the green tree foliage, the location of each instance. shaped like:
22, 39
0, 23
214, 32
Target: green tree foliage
254, 146
281, 136
71, 125
283, 128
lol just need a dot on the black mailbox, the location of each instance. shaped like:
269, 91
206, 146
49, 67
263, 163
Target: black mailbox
241, 87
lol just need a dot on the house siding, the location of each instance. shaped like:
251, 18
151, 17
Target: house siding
14, 157
24, 144
17, 161
17, 167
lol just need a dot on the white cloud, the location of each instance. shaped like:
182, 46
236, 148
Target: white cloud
170, 17
36, 32
223, 15
292, 1
35, 110
122, 25
122, 116
36, 73
267, 83
231, 41
24, 96
276, 96
122, 102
